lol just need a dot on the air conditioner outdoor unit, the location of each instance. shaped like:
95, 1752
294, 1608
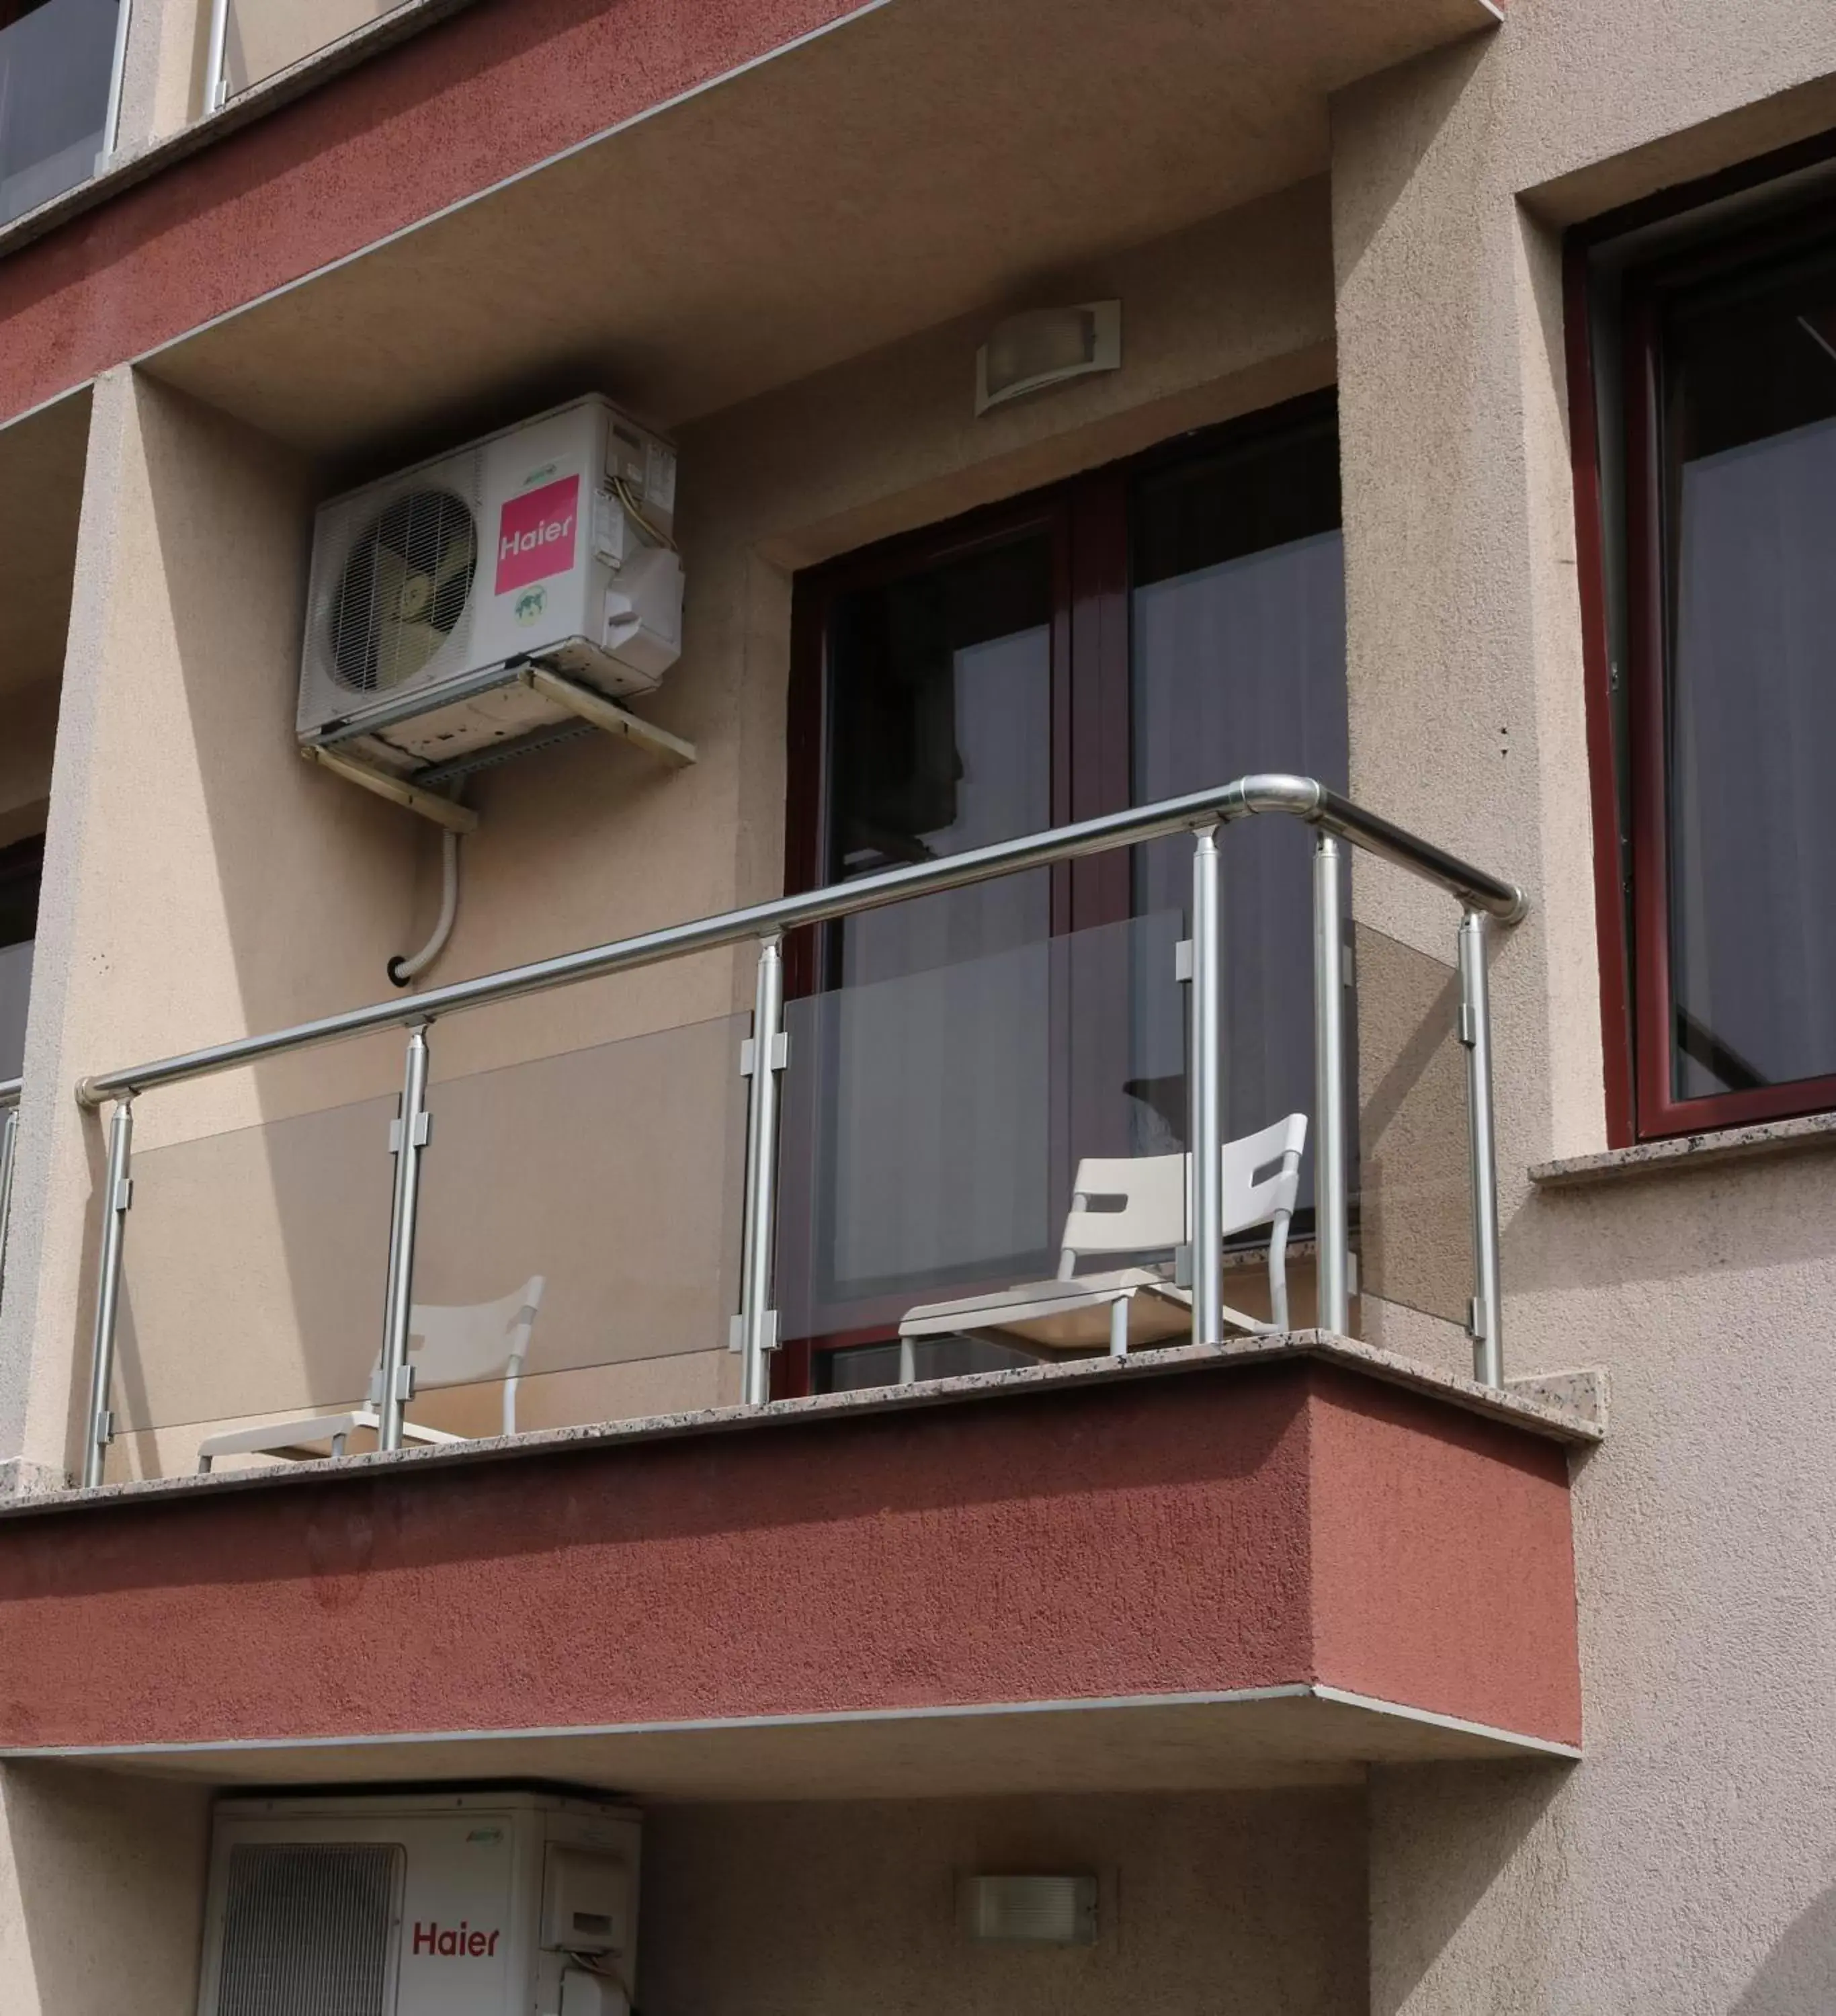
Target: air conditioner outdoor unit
546, 548
474, 1903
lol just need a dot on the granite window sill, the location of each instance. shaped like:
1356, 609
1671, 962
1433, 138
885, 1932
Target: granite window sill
1690, 1152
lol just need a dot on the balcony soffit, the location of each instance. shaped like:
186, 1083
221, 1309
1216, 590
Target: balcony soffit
928, 159
1299, 1735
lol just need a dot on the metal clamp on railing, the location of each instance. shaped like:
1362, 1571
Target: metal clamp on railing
1483, 898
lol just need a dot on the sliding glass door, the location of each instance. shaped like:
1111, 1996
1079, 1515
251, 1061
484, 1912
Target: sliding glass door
1149, 628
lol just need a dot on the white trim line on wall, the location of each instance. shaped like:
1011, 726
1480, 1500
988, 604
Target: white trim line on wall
715, 1725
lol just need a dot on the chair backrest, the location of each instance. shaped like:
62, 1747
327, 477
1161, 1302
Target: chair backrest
1274, 1157
1136, 1204
1126, 1203
463, 1345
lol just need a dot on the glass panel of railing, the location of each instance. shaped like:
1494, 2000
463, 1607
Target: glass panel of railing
1411, 1205
56, 66
581, 1211
253, 1265
935, 1120
264, 36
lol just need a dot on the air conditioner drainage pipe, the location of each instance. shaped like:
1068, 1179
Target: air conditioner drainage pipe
404, 972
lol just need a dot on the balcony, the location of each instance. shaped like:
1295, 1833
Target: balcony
841, 1169
1254, 1547
59, 67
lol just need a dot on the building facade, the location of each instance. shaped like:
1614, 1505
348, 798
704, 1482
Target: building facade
1113, 1168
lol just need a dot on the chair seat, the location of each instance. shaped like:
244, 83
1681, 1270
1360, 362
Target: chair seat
1074, 1314
293, 1442
1063, 1315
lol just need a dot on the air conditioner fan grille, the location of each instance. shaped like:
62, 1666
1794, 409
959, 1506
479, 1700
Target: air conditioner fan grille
403, 590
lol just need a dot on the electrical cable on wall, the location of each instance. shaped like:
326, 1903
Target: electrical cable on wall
404, 971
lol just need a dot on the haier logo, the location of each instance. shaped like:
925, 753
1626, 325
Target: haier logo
457, 1941
536, 535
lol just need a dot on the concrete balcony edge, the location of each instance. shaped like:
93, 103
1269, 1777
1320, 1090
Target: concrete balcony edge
1531, 1404
1288, 1554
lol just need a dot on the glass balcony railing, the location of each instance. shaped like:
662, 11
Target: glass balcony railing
253, 40
60, 64
984, 1147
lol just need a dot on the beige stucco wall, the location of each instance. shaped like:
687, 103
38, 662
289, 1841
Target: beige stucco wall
223, 888
1685, 1865
1249, 1901
162, 70
102, 1892
196, 878
1252, 1900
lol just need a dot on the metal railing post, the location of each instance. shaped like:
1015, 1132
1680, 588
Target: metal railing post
1330, 1183
1485, 1323
8, 1148
117, 1195
1207, 1129
762, 1056
217, 60
408, 1138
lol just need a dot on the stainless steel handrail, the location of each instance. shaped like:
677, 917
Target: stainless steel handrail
1483, 898
1301, 797
10, 1088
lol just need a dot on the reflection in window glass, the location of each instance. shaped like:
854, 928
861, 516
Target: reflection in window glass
1238, 665
1750, 382
938, 1074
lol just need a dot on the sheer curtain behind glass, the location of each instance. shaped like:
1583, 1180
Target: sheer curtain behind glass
1752, 689
1238, 665
939, 1075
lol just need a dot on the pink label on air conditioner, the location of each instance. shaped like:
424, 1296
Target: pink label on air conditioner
536, 535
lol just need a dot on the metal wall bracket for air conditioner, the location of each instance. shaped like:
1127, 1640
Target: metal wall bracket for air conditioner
429, 804
595, 709
424, 795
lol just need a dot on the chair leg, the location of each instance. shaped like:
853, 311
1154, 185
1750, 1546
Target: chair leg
908, 1362
339, 1445
205, 1460
1118, 1326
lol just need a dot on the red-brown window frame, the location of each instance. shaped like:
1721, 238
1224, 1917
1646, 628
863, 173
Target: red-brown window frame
1630, 824
1087, 516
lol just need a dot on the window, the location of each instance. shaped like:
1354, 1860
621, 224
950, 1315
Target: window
1729, 728
58, 61
21, 866
1151, 629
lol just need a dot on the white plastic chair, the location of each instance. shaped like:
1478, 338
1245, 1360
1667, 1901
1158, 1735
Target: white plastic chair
461, 1346
1136, 1204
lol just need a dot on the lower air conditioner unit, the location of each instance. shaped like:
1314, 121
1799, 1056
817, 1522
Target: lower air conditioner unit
471, 1903
549, 545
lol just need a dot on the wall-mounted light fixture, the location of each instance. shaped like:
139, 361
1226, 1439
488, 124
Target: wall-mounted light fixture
1028, 352
1030, 1910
